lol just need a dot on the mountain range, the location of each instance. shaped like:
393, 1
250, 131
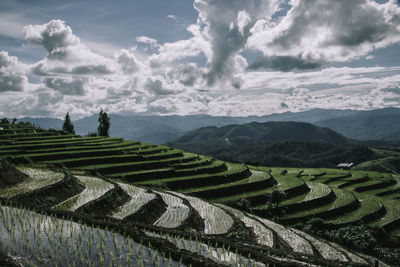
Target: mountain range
284, 144
380, 124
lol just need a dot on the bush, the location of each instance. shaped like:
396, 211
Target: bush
313, 226
243, 204
275, 198
389, 255
356, 237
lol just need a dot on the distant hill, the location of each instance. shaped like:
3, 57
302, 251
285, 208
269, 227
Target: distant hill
264, 132
383, 124
44, 123
161, 129
287, 144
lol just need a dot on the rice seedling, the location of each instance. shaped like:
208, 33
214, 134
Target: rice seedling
139, 197
326, 251
216, 220
369, 205
392, 214
176, 212
95, 188
264, 235
66, 243
38, 178
220, 255
343, 198
295, 241
317, 190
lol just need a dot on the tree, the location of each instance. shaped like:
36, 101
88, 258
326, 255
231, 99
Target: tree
275, 198
4, 121
104, 124
68, 126
92, 134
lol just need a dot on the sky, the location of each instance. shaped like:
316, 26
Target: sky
217, 57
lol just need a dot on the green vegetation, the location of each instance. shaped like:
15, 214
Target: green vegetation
57, 242
139, 198
67, 125
104, 124
94, 188
128, 185
289, 144
175, 215
216, 220
38, 178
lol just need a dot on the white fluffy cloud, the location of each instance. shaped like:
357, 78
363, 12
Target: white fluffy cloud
170, 52
209, 72
323, 30
55, 36
129, 63
67, 58
147, 40
12, 74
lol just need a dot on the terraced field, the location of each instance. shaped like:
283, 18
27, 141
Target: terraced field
186, 202
223, 239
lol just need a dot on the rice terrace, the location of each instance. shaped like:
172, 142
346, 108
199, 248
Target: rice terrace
199, 133
95, 201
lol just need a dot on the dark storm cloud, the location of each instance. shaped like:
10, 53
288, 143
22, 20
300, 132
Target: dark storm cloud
66, 86
282, 63
228, 24
186, 74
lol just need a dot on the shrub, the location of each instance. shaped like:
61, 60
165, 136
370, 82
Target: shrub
92, 134
312, 226
389, 255
243, 204
356, 237
275, 198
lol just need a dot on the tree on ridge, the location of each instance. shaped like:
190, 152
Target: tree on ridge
104, 124
68, 126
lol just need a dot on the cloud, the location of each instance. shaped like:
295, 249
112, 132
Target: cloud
182, 105
186, 74
12, 74
11, 24
329, 31
149, 41
146, 40
173, 17
395, 90
6, 60
168, 53
209, 71
229, 32
65, 53
55, 36
66, 86
243, 19
128, 62
70, 67
283, 63
156, 87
